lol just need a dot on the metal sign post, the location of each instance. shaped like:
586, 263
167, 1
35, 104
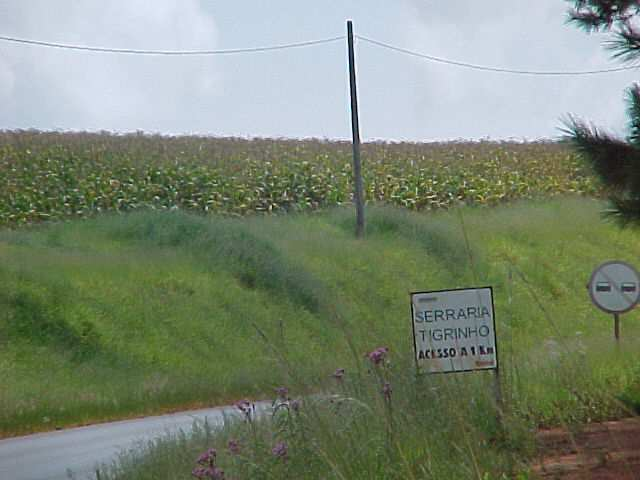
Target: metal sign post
614, 287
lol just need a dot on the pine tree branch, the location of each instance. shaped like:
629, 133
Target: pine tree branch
626, 44
602, 15
616, 162
633, 112
587, 20
625, 211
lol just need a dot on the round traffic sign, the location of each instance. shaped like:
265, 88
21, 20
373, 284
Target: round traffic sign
615, 287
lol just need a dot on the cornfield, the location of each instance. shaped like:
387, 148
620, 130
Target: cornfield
53, 176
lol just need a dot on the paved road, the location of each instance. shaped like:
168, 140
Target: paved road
76, 452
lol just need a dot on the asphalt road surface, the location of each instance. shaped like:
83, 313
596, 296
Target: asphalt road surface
76, 453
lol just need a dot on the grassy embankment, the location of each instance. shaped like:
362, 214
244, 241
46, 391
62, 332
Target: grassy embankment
126, 315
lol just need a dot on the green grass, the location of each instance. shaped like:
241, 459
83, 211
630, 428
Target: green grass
131, 314
154, 311
436, 428
52, 176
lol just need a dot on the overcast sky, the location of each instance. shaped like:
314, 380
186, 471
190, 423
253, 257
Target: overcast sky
304, 92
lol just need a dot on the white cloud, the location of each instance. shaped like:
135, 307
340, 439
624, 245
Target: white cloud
519, 35
7, 81
303, 92
68, 89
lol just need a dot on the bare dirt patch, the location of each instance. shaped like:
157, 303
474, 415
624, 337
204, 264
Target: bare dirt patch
602, 451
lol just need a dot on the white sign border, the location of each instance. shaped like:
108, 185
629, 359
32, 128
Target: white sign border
495, 368
592, 278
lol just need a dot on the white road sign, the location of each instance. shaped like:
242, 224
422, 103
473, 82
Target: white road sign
454, 330
615, 287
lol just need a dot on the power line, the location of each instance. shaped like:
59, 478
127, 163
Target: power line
170, 52
493, 69
311, 43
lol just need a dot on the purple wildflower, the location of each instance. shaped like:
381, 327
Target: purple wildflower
199, 472
282, 392
387, 390
207, 468
212, 473
280, 450
234, 447
215, 473
378, 355
208, 457
338, 374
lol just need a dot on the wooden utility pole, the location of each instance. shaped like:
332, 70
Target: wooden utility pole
355, 129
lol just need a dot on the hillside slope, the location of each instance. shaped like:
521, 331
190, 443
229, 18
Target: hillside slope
131, 314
